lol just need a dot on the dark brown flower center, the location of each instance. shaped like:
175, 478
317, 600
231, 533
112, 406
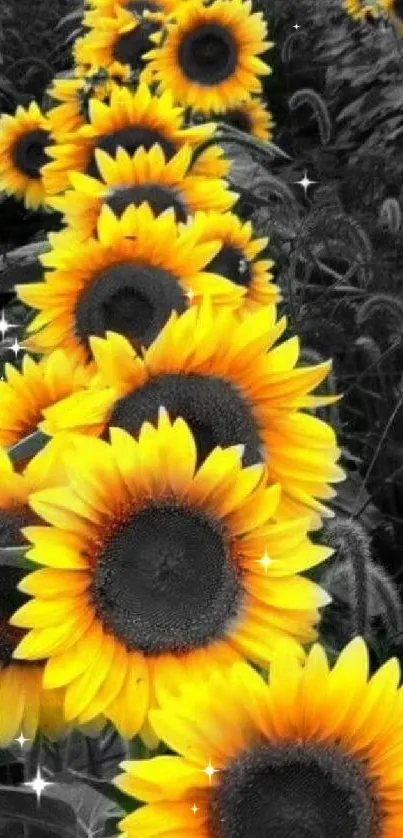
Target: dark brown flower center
131, 46
239, 119
131, 299
29, 153
231, 263
208, 55
215, 410
130, 138
159, 198
165, 581
300, 790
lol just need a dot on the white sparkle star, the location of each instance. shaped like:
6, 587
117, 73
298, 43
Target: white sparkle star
16, 348
209, 770
22, 740
305, 182
5, 325
296, 26
39, 784
265, 561
190, 295
195, 808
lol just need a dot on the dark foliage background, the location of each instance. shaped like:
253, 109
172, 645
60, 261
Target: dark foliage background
336, 93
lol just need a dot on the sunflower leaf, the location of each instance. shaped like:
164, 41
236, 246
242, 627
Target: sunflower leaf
55, 817
14, 557
28, 447
124, 801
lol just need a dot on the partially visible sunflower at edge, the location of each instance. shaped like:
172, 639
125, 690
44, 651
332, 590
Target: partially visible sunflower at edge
362, 11
145, 177
241, 258
129, 279
24, 138
130, 120
72, 96
25, 394
318, 752
232, 385
393, 8
161, 574
208, 54
25, 705
252, 117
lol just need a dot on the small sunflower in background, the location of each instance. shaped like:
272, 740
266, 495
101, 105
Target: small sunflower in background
136, 7
393, 8
318, 752
130, 120
119, 40
165, 580
362, 11
72, 96
208, 54
25, 706
128, 280
24, 138
232, 385
252, 117
24, 395
241, 258
145, 177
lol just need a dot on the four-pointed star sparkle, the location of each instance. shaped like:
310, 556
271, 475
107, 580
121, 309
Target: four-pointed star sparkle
38, 784
305, 182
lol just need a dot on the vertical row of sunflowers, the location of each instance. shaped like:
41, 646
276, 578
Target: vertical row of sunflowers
179, 468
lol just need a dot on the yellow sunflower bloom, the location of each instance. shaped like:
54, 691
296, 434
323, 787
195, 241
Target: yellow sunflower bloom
208, 54
120, 39
145, 177
130, 120
72, 96
25, 706
318, 752
24, 395
129, 280
240, 256
23, 141
231, 386
252, 117
361, 11
164, 573
393, 8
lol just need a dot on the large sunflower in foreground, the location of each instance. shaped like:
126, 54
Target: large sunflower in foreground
23, 141
25, 394
164, 572
241, 258
208, 54
25, 706
252, 117
231, 386
129, 280
130, 120
316, 754
145, 177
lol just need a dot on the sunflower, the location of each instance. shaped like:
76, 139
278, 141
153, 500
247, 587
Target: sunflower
120, 37
130, 120
252, 117
362, 11
241, 258
208, 54
316, 753
394, 8
72, 96
107, 8
145, 177
214, 371
25, 706
24, 395
161, 572
23, 141
129, 279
